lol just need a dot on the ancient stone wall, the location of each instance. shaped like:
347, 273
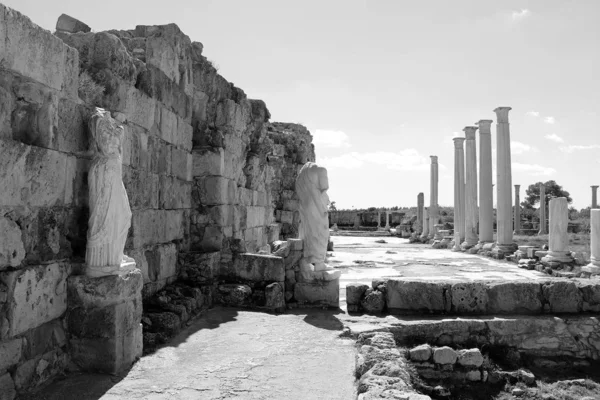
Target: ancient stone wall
207, 176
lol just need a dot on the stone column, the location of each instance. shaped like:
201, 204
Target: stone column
420, 204
517, 209
595, 196
558, 239
504, 236
425, 233
486, 187
542, 230
387, 220
433, 197
594, 266
459, 193
471, 212
378, 219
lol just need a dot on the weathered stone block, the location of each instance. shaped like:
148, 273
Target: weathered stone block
36, 53
179, 163
562, 297
318, 293
590, 292
355, 292
12, 251
208, 162
234, 295
10, 353
34, 176
469, 297
156, 84
296, 244
420, 353
43, 339
274, 297
213, 190
416, 297
144, 189
174, 193
7, 385
162, 262
148, 227
167, 123
71, 134
373, 301
444, 355
514, 297
259, 268
198, 268
66, 23
35, 295
470, 358
105, 322
139, 108
105, 291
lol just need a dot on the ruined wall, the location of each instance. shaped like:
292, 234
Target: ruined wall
203, 168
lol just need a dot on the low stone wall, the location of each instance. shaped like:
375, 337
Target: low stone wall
409, 297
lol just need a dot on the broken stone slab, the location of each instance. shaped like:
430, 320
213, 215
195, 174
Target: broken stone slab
355, 292
317, 292
66, 23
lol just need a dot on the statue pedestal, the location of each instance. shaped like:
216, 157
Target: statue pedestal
128, 265
104, 318
318, 288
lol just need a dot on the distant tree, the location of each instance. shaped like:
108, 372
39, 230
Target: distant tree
573, 213
332, 206
552, 188
372, 209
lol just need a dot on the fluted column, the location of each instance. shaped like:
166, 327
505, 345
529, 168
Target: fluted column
471, 212
433, 197
594, 266
517, 223
486, 187
542, 230
459, 193
594, 196
425, 224
420, 204
504, 236
558, 239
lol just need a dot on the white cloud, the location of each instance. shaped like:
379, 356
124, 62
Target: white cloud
327, 138
533, 113
520, 148
520, 15
555, 138
549, 120
572, 148
533, 169
404, 160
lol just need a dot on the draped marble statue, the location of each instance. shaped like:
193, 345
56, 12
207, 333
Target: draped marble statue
110, 215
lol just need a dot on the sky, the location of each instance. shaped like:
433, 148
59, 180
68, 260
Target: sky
384, 84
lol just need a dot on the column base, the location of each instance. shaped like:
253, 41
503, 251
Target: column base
502, 250
563, 257
105, 317
591, 269
318, 288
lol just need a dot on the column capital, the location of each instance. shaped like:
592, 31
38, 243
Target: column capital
517, 187
485, 126
434, 159
458, 142
502, 114
470, 132
594, 186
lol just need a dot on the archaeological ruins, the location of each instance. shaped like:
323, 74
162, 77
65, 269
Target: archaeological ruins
143, 195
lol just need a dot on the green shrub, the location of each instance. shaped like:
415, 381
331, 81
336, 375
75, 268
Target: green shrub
89, 90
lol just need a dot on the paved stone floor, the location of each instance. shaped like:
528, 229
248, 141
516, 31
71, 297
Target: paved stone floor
235, 354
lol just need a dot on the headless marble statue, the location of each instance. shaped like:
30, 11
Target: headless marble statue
311, 187
110, 215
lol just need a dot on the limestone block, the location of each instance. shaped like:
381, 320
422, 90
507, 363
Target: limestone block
444, 355
469, 297
416, 297
212, 239
245, 196
66, 23
36, 53
318, 292
274, 297
173, 226
514, 297
162, 262
231, 115
71, 131
259, 268
290, 205
185, 132
105, 291
273, 232
112, 321
10, 353
179, 164
148, 227
108, 355
12, 251
7, 387
167, 123
145, 189
296, 244
420, 353
470, 358
139, 108
373, 301
562, 297
198, 268
222, 215
35, 176
473, 376
156, 84
161, 54
590, 292
234, 295
355, 292
35, 295
213, 190
174, 193
285, 217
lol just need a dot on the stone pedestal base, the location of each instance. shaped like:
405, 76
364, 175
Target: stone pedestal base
318, 288
502, 250
563, 257
126, 266
591, 269
104, 317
